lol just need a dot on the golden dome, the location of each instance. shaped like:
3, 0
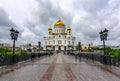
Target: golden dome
59, 23
69, 28
50, 28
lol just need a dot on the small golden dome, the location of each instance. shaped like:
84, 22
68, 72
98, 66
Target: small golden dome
59, 23
69, 28
50, 28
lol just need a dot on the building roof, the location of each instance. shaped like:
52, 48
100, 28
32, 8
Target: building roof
50, 28
59, 23
69, 28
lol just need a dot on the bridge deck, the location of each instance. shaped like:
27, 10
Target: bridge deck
59, 67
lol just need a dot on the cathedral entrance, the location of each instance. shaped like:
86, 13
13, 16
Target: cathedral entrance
65, 48
53, 47
59, 48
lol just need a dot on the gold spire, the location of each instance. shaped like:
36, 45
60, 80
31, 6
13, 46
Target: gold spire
49, 28
59, 23
69, 28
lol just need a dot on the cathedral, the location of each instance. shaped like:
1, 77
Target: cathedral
59, 37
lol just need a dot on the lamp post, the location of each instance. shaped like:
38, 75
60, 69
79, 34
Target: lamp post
39, 44
30, 50
14, 36
79, 44
103, 36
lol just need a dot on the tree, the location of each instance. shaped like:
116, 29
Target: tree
79, 47
23, 52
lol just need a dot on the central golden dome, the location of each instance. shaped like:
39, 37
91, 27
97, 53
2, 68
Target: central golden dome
59, 23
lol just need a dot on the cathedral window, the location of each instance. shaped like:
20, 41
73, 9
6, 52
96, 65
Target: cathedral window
49, 42
46, 42
73, 43
59, 41
53, 41
65, 41
69, 42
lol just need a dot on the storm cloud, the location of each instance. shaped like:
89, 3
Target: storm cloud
5, 24
86, 17
4, 19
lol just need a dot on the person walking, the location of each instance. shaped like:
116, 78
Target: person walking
49, 53
76, 54
32, 56
93, 58
80, 56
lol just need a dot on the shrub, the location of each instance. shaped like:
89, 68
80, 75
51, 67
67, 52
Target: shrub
23, 52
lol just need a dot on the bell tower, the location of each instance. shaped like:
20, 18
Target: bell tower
69, 30
50, 30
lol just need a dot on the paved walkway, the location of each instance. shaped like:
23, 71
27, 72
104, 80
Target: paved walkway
59, 67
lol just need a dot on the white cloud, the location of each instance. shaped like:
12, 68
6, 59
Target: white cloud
86, 17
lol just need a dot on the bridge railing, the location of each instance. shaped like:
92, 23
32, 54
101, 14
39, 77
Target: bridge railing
8, 59
104, 59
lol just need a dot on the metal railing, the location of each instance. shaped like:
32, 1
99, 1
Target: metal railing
104, 59
7, 59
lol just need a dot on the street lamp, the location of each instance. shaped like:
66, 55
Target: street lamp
14, 36
30, 50
79, 46
39, 44
103, 36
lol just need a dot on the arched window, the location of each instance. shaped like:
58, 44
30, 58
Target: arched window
69, 42
59, 41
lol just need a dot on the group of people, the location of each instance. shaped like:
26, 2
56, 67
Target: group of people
32, 56
78, 54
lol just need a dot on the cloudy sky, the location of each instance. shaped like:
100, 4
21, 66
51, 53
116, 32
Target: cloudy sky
86, 17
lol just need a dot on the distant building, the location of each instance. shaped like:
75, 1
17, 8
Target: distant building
101, 46
115, 47
59, 37
4, 44
84, 47
25, 47
87, 47
8, 46
30, 47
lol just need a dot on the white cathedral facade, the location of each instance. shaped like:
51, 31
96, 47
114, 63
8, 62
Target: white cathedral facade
59, 37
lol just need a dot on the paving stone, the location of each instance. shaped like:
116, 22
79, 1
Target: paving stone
59, 73
60, 67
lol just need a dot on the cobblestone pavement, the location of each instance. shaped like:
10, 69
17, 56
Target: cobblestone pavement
59, 67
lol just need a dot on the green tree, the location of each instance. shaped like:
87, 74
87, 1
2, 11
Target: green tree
23, 52
79, 47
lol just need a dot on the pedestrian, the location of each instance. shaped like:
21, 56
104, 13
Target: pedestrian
93, 58
109, 60
57, 52
80, 56
49, 53
76, 54
87, 56
32, 56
